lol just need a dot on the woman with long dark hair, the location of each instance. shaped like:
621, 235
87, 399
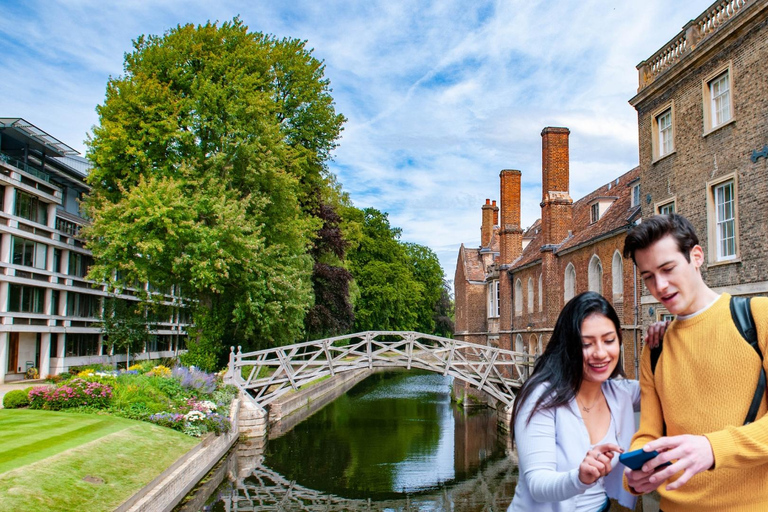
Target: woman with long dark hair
573, 416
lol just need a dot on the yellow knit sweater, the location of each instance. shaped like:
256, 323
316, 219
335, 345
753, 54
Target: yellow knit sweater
704, 382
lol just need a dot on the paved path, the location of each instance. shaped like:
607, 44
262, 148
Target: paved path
19, 384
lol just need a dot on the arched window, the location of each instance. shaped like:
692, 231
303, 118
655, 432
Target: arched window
518, 298
617, 272
541, 347
570, 282
520, 347
533, 347
541, 296
595, 275
530, 295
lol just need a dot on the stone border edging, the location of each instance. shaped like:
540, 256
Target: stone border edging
164, 492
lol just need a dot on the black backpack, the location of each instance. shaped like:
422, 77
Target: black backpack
741, 313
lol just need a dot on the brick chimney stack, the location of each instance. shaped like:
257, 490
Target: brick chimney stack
556, 203
495, 213
510, 232
486, 230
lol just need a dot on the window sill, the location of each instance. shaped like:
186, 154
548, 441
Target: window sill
716, 128
657, 159
724, 262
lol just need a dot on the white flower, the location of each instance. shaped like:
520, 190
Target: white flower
207, 406
194, 416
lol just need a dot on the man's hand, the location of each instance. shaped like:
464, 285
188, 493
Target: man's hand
688, 453
655, 333
597, 462
638, 480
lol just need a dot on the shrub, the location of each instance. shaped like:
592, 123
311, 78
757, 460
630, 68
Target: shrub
15, 399
37, 396
198, 380
138, 391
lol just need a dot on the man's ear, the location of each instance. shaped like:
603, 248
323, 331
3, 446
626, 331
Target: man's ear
697, 256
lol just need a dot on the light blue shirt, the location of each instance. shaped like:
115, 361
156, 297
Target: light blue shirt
551, 447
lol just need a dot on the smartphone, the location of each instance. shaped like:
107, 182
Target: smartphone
635, 459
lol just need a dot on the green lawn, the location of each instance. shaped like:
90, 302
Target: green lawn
45, 455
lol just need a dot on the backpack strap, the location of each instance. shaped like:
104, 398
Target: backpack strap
741, 312
655, 354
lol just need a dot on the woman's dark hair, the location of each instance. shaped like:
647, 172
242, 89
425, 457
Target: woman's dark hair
654, 228
561, 367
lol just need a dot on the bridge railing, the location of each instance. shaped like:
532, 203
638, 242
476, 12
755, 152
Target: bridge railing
268, 374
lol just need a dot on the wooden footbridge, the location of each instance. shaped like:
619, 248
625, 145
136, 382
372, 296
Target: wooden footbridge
265, 375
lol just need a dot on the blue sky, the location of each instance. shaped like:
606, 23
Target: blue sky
440, 95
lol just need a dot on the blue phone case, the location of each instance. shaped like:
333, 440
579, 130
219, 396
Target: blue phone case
635, 459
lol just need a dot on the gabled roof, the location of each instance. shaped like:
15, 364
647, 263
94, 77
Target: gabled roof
472, 263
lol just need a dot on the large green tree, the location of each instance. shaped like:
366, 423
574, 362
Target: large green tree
208, 161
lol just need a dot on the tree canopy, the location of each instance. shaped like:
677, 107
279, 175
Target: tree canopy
209, 149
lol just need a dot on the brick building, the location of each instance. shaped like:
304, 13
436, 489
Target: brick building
509, 291
702, 106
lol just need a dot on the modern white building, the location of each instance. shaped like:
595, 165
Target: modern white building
49, 312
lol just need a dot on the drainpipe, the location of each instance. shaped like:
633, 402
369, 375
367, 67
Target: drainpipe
637, 317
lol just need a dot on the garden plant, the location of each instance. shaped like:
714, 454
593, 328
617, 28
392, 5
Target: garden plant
182, 398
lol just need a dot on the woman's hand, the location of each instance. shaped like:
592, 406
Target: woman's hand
597, 462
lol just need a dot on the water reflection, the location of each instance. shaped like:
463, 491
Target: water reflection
394, 442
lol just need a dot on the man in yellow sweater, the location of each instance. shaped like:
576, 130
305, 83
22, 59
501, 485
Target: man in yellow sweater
702, 386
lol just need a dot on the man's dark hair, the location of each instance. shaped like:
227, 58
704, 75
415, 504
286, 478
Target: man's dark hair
653, 229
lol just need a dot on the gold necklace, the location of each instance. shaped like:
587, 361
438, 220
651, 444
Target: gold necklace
588, 409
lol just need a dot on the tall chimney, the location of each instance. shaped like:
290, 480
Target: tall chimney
556, 203
510, 232
486, 230
495, 213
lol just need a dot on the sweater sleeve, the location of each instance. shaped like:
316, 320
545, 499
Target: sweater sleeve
746, 445
651, 415
537, 454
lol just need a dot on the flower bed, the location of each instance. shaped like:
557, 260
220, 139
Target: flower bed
182, 398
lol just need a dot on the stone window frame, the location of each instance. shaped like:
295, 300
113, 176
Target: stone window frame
569, 282
707, 104
595, 274
712, 221
530, 295
656, 144
518, 297
662, 207
493, 299
617, 277
541, 295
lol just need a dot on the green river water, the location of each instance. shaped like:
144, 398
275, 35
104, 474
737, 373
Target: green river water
393, 442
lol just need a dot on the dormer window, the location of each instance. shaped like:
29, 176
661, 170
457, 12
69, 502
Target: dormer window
595, 212
636, 195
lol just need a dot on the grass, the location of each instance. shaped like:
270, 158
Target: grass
45, 456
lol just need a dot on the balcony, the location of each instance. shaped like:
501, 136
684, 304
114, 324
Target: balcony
710, 22
27, 168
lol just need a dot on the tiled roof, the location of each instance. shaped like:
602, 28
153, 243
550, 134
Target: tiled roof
473, 264
618, 214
